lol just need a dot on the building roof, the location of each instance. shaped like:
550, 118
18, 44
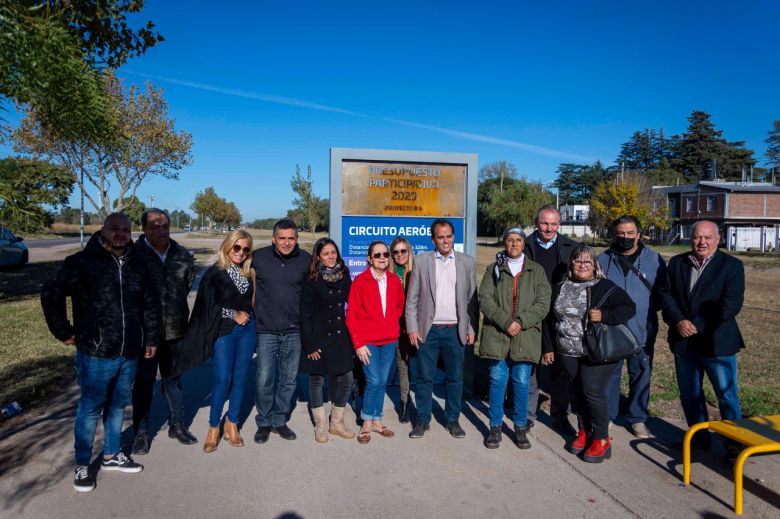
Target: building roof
732, 187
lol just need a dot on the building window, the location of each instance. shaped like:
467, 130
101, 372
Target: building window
689, 204
710, 202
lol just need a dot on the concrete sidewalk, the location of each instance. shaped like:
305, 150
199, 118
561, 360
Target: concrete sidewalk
436, 476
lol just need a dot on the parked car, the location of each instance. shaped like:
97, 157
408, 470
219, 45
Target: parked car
12, 250
187, 228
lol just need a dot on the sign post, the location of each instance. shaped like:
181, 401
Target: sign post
384, 194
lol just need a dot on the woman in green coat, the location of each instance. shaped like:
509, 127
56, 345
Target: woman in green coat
514, 297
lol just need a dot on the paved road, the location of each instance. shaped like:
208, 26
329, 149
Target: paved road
72, 240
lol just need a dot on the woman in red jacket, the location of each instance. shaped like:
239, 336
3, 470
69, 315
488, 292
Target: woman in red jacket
375, 305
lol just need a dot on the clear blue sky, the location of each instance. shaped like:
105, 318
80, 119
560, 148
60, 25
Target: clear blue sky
265, 85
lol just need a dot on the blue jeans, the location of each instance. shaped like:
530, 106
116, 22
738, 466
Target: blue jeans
722, 372
278, 357
106, 386
377, 370
444, 341
232, 356
500, 371
640, 370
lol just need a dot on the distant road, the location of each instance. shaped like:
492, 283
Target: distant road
75, 240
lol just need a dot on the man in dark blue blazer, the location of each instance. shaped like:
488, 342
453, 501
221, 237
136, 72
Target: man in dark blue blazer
702, 296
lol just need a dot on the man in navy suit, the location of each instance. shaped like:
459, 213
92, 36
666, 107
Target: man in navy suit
702, 296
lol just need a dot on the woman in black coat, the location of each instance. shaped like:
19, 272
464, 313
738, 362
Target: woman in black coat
583, 292
327, 348
222, 328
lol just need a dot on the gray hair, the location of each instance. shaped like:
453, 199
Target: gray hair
583, 249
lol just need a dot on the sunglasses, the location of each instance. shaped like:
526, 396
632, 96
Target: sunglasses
399, 251
378, 255
245, 250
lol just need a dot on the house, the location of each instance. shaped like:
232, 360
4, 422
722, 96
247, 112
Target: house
574, 220
747, 213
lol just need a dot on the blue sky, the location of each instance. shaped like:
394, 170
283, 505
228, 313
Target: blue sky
265, 85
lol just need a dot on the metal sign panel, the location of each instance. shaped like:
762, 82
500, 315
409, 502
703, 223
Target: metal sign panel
384, 194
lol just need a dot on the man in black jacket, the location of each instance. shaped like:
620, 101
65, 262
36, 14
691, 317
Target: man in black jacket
551, 250
280, 271
172, 268
702, 296
116, 311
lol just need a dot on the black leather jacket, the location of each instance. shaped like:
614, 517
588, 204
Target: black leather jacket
116, 307
173, 280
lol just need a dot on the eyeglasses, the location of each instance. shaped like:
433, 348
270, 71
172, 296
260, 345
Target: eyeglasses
378, 255
583, 263
399, 251
245, 250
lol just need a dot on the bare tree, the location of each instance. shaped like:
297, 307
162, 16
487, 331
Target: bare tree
146, 144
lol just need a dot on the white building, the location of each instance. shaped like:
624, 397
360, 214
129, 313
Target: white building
574, 220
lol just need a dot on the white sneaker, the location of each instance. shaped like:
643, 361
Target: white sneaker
639, 430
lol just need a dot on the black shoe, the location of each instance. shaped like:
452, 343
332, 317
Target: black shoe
179, 432
419, 430
521, 440
493, 438
455, 430
285, 432
700, 442
83, 481
262, 434
141, 444
122, 463
529, 425
732, 453
563, 427
403, 413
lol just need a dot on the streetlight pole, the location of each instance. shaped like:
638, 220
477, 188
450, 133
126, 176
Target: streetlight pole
82, 210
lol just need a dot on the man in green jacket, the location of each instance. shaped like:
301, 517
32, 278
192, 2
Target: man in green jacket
515, 298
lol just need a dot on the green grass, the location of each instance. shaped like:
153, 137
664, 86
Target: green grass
34, 366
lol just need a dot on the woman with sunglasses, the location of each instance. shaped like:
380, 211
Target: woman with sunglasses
374, 308
222, 327
402, 261
327, 350
587, 296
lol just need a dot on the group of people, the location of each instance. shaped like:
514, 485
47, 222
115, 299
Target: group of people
301, 312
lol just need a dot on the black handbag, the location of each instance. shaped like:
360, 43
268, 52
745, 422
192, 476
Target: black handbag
608, 342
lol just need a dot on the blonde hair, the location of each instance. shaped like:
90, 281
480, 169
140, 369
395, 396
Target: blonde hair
223, 260
409, 264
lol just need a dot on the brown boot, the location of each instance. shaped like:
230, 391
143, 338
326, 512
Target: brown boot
320, 425
212, 438
337, 425
231, 434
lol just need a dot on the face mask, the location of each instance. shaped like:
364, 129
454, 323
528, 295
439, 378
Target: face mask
623, 244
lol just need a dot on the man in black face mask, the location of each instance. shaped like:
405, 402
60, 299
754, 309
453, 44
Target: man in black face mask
639, 271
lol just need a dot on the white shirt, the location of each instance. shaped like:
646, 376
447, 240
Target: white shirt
382, 289
164, 254
515, 265
446, 311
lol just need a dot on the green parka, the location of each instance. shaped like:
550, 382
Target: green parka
495, 302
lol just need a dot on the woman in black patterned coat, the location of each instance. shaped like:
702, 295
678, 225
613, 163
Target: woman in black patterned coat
327, 348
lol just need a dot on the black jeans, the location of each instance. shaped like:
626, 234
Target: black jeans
170, 387
339, 389
589, 384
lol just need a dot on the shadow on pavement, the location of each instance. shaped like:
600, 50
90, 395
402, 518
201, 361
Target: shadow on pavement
47, 441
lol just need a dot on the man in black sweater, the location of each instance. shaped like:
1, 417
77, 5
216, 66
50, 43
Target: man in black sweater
551, 250
280, 272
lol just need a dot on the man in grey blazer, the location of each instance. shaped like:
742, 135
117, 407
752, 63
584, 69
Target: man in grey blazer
441, 316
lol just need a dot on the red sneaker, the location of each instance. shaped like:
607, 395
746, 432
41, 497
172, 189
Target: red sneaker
598, 451
578, 445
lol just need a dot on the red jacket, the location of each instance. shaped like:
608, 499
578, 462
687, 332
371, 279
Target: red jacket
364, 310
